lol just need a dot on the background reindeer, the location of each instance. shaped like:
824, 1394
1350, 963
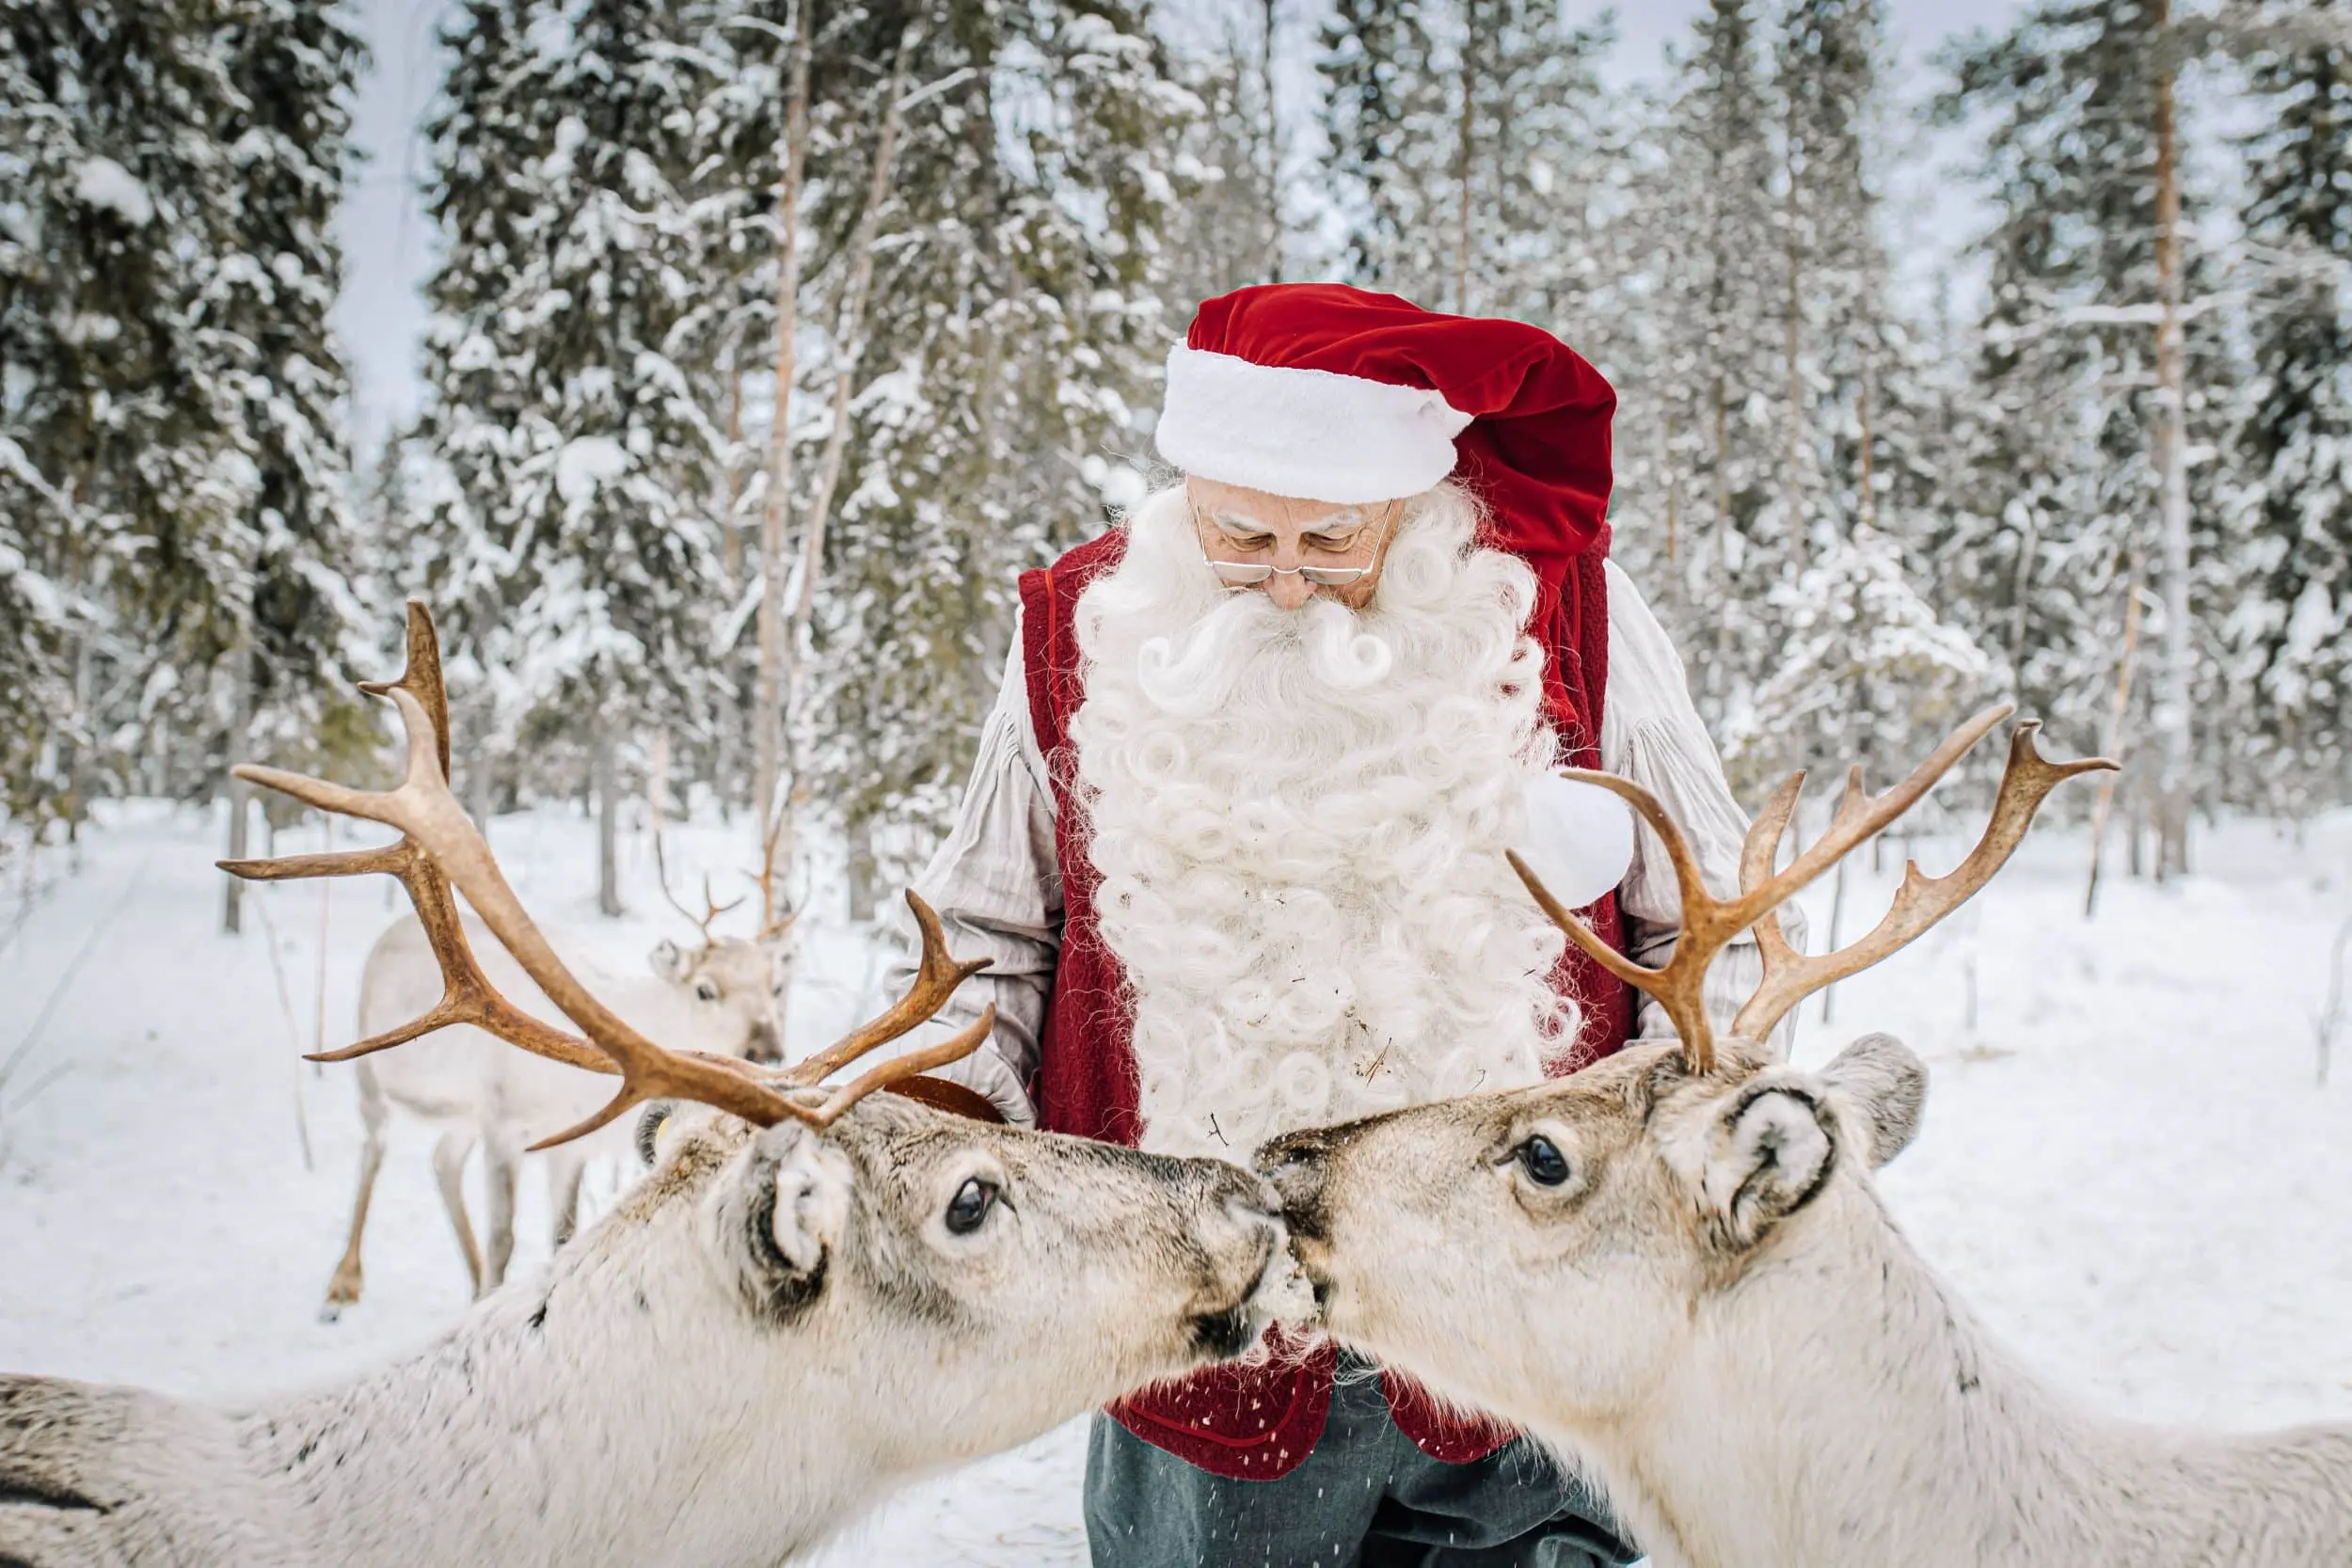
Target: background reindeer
814, 1297
718, 996
1674, 1265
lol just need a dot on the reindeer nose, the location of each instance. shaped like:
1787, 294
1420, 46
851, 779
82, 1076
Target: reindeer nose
1295, 1163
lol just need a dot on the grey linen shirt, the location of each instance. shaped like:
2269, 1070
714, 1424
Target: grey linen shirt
997, 885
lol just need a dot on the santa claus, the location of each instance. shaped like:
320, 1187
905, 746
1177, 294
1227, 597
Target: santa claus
1235, 842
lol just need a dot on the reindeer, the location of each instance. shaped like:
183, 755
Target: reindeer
717, 997
814, 1297
1673, 1266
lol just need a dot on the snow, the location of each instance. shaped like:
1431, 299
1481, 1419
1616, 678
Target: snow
108, 186
2126, 1167
584, 463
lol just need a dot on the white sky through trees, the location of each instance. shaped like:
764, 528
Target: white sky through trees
389, 240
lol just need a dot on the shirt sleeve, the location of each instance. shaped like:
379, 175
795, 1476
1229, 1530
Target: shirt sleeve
1652, 735
996, 884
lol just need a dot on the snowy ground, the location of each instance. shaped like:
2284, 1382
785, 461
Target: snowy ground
2126, 1165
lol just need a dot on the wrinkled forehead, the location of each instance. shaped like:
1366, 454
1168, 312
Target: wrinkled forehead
1265, 509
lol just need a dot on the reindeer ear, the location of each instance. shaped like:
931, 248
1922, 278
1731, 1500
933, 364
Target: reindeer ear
1770, 1153
668, 959
799, 1213
1880, 1079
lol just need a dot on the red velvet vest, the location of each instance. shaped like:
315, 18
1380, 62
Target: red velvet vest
1257, 1422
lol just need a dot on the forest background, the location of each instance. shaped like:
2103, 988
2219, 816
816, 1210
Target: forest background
2010, 363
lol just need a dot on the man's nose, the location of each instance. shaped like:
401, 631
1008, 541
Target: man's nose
1289, 590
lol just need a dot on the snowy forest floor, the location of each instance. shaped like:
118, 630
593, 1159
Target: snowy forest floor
2127, 1166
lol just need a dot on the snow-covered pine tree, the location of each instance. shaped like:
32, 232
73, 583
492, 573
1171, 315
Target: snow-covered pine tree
2058, 498
1477, 155
1234, 232
169, 160
997, 422
588, 505
116, 171
2290, 633
1860, 669
44, 532
461, 546
293, 64
1701, 405
1016, 329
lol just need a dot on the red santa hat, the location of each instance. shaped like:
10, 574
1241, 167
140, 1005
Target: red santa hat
1331, 394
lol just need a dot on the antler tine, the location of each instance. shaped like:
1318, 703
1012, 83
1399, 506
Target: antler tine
769, 924
1709, 924
1922, 901
936, 978
897, 1070
467, 994
713, 909
1762, 847
442, 847
1676, 984
1860, 815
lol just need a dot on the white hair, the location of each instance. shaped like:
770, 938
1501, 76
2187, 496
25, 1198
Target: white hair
1300, 817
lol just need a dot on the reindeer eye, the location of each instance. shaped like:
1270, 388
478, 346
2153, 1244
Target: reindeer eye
1543, 1161
970, 1206
649, 1130
706, 992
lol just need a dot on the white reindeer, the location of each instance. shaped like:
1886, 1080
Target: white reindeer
719, 997
1673, 1267
813, 1297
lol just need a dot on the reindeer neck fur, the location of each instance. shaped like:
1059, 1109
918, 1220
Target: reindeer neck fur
602, 1412
1839, 1409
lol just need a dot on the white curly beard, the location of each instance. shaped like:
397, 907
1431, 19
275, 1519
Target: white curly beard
1300, 817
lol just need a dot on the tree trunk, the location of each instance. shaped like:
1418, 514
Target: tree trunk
1867, 503
2119, 712
864, 876
1794, 389
1273, 150
608, 783
767, 710
1719, 668
1463, 157
240, 793
849, 348
731, 487
2177, 666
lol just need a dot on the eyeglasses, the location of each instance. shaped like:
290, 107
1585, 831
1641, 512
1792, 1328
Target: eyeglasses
1250, 574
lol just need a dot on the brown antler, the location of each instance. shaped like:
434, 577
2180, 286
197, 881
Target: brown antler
1709, 924
1790, 976
713, 909
771, 923
439, 846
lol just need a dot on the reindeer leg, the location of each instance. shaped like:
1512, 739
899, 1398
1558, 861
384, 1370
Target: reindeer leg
344, 1289
448, 1170
502, 1157
564, 1169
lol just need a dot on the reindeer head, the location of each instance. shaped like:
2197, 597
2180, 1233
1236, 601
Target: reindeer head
1458, 1237
731, 985
928, 1256
1618, 1199
734, 986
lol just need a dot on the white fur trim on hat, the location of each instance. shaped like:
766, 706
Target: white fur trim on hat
1311, 434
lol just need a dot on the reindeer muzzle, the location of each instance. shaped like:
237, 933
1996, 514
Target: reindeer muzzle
1294, 1164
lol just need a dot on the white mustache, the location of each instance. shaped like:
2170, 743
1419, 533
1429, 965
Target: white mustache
1192, 673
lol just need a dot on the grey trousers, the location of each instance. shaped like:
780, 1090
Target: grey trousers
1365, 1499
